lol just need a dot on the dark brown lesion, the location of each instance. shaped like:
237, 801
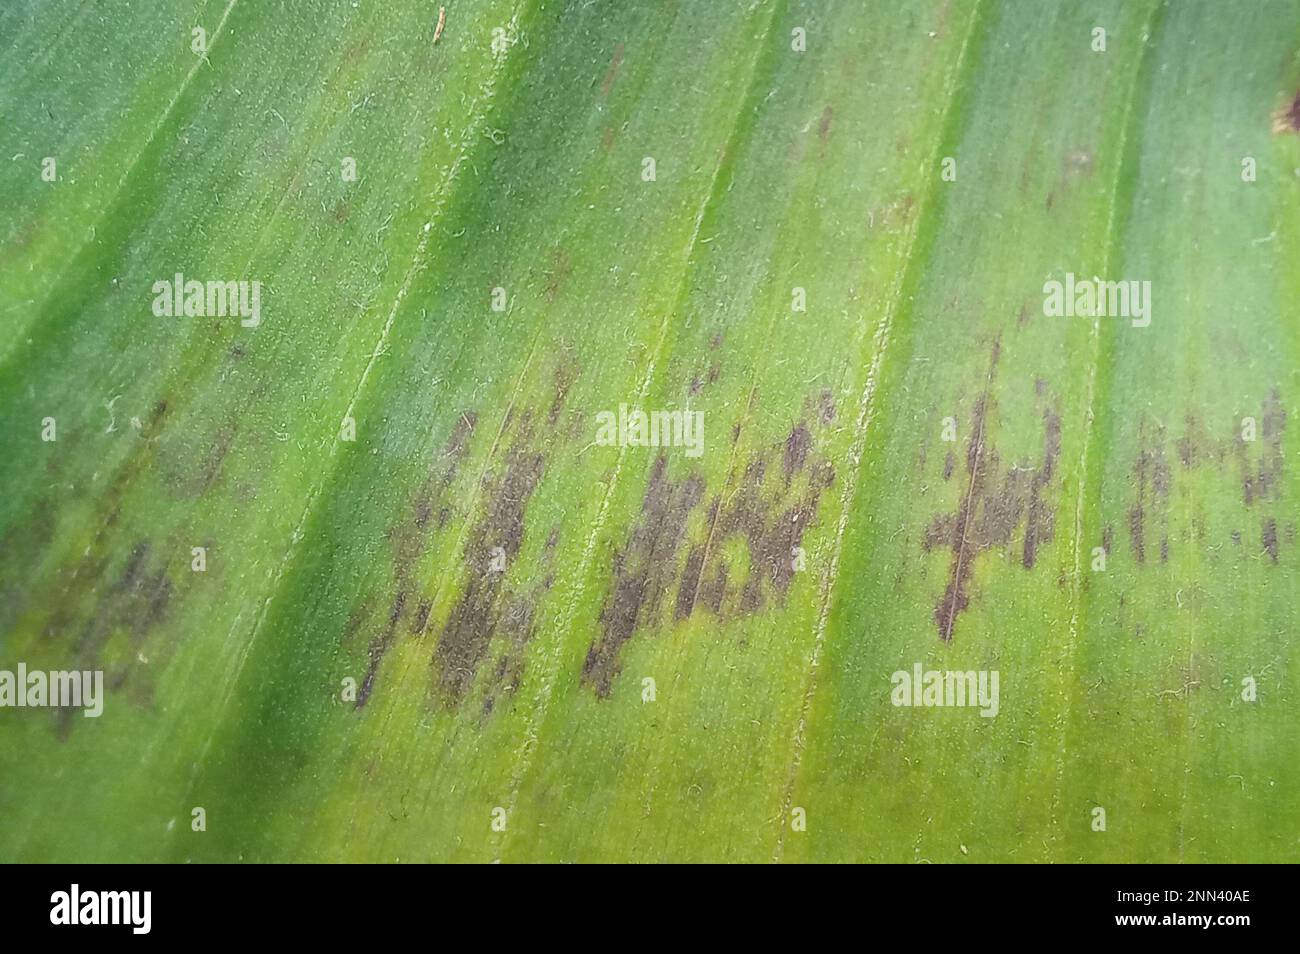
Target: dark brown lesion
1268, 537
486, 606
796, 450
426, 512
1137, 532
469, 629
490, 607
421, 619
690, 585
1258, 464
378, 647
767, 512
1040, 519
136, 601
516, 626
825, 407
994, 505
1151, 476
566, 372
106, 595
430, 506
1262, 479
772, 522
642, 570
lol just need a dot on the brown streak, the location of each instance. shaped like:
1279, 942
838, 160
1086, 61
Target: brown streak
954, 596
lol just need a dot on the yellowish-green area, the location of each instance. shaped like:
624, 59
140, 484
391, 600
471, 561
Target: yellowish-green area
476, 632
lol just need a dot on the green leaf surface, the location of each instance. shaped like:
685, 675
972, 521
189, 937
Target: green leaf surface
904, 461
